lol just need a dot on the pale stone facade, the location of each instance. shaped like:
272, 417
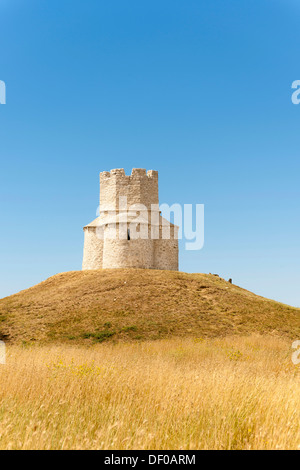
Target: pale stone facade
127, 234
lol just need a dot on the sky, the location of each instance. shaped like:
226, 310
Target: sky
198, 90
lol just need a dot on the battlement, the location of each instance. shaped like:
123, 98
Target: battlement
141, 187
135, 173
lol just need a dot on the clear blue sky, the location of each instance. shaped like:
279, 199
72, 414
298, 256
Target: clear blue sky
198, 90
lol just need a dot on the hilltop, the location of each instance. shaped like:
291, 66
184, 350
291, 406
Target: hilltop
135, 304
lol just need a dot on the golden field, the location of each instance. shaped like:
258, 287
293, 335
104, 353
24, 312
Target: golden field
230, 393
146, 359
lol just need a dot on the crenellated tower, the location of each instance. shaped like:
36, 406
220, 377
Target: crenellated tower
140, 187
128, 231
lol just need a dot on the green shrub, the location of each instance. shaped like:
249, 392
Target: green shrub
130, 328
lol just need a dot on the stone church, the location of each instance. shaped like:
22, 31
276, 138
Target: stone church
130, 231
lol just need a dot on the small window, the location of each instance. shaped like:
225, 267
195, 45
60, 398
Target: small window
128, 234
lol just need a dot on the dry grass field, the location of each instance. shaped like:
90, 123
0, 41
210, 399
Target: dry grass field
135, 305
226, 393
144, 359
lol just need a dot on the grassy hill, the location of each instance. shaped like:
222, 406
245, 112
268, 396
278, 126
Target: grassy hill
131, 305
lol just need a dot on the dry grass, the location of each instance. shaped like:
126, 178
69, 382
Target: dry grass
231, 393
135, 304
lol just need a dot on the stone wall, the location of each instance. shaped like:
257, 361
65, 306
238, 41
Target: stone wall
166, 251
128, 254
166, 254
93, 249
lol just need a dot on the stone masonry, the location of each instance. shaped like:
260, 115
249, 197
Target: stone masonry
130, 231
